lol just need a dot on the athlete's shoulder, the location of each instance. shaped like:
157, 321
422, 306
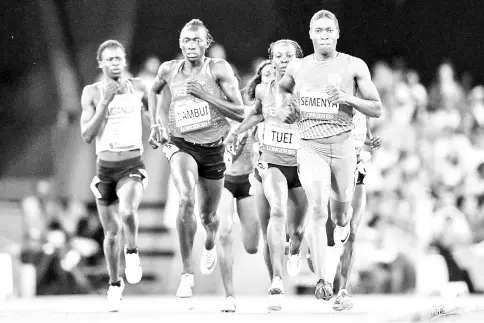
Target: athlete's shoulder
219, 64
137, 83
91, 89
353, 60
167, 67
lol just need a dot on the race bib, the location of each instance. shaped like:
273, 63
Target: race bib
316, 105
119, 138
192, 115
281, 138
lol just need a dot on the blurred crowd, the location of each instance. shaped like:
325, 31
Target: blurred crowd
425, 188
426, 185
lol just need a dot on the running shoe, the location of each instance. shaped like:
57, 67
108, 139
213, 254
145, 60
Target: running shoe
115, 297
229, 305
294, 263
187, 282
208, 261
341, 234
324, 290
343, 301
133, 270
276, 294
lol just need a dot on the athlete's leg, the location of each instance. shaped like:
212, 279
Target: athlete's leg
185, 175
111, 223
314, 174
343, 300
225, 211
343, 168
275, 189
130, 193
296, 219
250, 224
358, 204
263, 210
209, 193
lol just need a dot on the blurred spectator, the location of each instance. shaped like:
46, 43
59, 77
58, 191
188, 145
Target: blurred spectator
149, 70
51, 243
446, 93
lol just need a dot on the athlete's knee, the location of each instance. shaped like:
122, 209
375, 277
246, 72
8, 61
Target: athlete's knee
341, 214
186, 202
277, 211
296, 233
225, 235
127, 211
208, 217
251, 248
112, 233
319, 212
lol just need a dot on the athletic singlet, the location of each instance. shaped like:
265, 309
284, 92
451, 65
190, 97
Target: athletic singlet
359, 132
246, 161
321, 118
280, 140
189, 117
123, 129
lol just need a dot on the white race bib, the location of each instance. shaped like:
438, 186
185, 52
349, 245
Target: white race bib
316, 105
117, 136
192, 115
281, 138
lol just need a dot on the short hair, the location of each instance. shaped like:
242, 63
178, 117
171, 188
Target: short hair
197, 23
297, 48
108, 44
324, 14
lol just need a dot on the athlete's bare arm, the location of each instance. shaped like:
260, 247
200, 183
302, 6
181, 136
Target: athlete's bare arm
93, 115
253, 118
160, 82
224, 75
158, 135
368, 101
285, 89
374, 142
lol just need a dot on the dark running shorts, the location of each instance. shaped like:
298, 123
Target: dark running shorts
239, 185
110, 174
209, 157
289, 172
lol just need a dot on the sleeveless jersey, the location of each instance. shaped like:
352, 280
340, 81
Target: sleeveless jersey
359, 132
280, 140
123, 128
321, 118
193, 119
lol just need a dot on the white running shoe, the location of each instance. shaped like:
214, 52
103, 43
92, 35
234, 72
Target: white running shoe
115, 297
208, 261
294, 263
229, 305
341, 234
276, 294
187, 282
133, 270
343, 301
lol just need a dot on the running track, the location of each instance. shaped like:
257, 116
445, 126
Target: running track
250, 309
